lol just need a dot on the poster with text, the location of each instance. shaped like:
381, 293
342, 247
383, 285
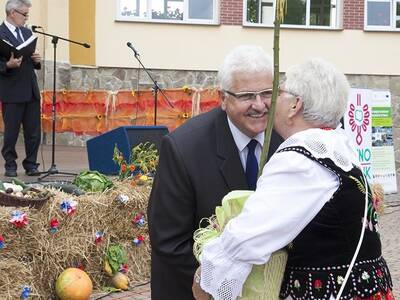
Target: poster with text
383, 160
357, 124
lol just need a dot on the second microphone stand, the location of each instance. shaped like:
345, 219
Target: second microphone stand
53, 168
156, 87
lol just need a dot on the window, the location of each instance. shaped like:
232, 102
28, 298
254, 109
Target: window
382, 14
300, 13
176, 11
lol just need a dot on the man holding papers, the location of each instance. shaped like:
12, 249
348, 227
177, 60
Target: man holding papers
19, 91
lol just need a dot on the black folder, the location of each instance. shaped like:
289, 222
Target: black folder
26, 49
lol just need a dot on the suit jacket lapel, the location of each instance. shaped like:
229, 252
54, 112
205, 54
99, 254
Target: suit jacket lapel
26, 33
9, 35
230, 164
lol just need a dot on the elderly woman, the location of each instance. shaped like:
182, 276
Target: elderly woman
310, 199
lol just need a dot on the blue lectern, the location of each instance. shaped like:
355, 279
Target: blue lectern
100, 149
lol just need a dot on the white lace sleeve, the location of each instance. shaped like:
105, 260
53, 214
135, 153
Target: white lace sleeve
289, 194
215, 280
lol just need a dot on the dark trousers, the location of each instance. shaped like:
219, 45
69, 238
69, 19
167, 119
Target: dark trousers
14, 115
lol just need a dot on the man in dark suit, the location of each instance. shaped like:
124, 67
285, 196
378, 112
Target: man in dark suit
200, 162
19, 92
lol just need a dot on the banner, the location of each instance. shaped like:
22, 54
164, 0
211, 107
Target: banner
368, 123
383, 160
357, 124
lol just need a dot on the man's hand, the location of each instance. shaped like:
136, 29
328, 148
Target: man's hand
198, 293
36, 58
14, 62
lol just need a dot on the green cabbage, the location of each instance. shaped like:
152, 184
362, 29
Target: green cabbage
116, 257
92, 181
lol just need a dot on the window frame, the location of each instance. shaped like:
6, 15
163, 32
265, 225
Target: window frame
186, 20
336, 17
391, 27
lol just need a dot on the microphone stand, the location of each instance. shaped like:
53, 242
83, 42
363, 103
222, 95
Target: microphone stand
155, 87
53, 168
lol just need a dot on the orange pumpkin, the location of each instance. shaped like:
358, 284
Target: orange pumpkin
74, 284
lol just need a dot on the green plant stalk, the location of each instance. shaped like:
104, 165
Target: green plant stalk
275, 86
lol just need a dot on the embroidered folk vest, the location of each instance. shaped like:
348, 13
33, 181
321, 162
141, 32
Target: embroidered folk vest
318, 258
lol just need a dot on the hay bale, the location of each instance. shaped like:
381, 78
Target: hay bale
14, 276
46, 255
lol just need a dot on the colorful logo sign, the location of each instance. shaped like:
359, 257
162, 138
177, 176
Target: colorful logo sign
359, 116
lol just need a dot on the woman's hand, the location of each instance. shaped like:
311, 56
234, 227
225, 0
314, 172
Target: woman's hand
198, 293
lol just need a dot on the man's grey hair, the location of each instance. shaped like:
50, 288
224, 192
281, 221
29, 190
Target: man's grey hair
323, 88
16, 4
243, 59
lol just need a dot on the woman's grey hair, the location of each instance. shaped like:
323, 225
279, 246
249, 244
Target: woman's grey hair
243, 59
323, 89
15, 4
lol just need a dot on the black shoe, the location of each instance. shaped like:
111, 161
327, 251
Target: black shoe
32, 172
10, 173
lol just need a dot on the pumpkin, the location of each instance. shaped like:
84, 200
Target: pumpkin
74, 284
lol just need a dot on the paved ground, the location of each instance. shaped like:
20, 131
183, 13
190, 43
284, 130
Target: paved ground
74, 159
390, 238
66, 159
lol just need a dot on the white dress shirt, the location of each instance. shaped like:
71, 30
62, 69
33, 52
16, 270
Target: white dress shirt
12, 28
241, 141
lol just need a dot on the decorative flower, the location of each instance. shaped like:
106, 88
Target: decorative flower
54, 225
98, 237
2, 246
317, 284
138, 220
141, 179
68, 206
340, 279
122, 198
365, 276
187, 89
123, 268
184, 115
138, 240
297, 284
19, 219
26, 291
378, 197
142, 160
80, 265
379, 273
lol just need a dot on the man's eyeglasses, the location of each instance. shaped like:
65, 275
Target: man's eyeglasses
26, 15
249, 96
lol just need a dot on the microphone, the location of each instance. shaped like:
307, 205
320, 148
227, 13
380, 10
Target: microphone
34, 27
129, 44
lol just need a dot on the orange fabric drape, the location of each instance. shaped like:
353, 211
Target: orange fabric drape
96, 112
